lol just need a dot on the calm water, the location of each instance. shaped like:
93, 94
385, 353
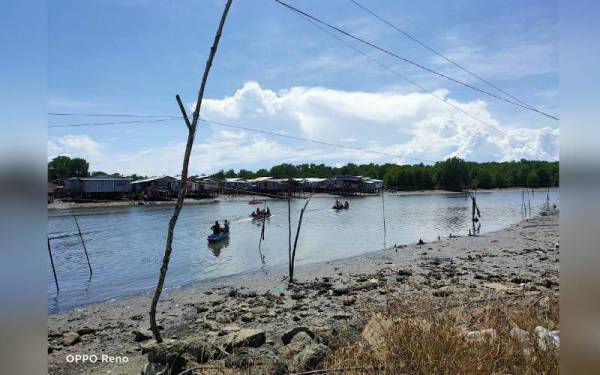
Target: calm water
125, 245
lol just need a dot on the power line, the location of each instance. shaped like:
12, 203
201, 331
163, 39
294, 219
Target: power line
314, 141
239, 127
112, 123
298, 11
106, 115
421, 87
422, 44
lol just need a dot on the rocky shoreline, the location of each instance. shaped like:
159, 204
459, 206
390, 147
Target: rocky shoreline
248, 320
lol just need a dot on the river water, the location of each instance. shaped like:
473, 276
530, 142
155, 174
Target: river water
125, 244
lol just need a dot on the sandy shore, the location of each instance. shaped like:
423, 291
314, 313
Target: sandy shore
517, 262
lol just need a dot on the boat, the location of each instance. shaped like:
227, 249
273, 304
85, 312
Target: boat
256, 201
256, 216
344, 206
218, 237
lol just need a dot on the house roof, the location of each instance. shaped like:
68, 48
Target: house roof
99, 178
260, 179
152, 179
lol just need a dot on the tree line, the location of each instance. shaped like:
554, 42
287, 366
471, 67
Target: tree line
451, 174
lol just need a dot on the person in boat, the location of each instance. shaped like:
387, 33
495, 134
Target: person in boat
346, 204
268, 212
258, 211
216, 228
226, 227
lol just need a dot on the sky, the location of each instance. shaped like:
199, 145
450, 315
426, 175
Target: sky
276, 72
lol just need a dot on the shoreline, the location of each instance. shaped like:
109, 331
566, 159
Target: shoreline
59, 205
520, 259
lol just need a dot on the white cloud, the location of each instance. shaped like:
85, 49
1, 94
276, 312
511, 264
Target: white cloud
412, 125
74, 145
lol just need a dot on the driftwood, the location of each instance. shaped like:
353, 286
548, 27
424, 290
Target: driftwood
191, 125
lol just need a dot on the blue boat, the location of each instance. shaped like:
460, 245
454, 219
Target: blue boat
218, 237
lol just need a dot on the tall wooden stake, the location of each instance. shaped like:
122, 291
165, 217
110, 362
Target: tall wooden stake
83, 243
289, 238
191, 125
53, 269
293, 258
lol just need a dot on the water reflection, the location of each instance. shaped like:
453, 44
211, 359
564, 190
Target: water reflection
216, 247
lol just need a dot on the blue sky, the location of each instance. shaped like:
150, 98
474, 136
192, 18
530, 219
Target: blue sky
276, 72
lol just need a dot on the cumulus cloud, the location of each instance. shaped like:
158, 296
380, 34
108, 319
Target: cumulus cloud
411, 125
74, 145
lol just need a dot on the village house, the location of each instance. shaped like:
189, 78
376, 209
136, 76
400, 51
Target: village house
107, 187
156, 188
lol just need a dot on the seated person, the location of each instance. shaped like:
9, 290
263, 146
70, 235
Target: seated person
216, 228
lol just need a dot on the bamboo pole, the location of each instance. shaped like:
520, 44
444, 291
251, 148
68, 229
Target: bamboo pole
289, 238
83, 243
191, 125
53, 269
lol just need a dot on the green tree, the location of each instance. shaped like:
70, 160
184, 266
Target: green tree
453, 174
533, 179
65, 167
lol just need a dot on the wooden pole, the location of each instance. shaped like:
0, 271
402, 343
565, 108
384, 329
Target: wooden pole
296, 241
383, 213
83, 243
53, 269
191, 125
289, 238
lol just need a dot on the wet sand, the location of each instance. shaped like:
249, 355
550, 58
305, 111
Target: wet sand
518, 262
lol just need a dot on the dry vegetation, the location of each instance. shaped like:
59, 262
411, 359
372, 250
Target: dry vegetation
435, 342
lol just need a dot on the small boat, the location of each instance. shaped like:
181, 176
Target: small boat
256, 201
344, 206
218, 237
256, 216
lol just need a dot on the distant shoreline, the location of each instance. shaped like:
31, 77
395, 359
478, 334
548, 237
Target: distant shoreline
59, 205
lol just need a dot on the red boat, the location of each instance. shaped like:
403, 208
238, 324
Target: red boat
256, 201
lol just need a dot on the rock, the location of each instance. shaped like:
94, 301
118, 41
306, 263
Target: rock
481, 335
375, 330
546, 338
341, 316
137, 317
246, 337
200, 308
349, 301
247, 317
70, 338
142, 334
521, 335
259, 310
288, 336
52, 348
297, 296
154, 369
442, 293
404, 273
340, 291
86, 330
201, 350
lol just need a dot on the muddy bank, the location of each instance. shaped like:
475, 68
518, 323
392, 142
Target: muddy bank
257, 314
